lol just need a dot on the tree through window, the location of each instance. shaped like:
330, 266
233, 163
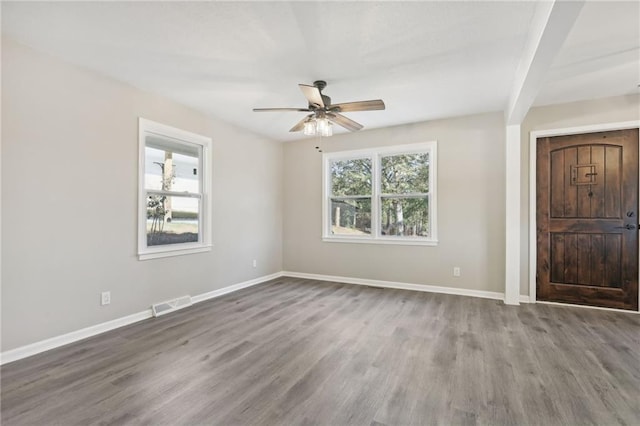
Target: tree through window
351, 200
381, 195
405, 195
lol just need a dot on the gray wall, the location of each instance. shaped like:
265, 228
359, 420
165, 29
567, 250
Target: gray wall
69, 190
471, 204
586, 113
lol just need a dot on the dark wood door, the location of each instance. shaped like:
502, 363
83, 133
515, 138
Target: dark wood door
587, 219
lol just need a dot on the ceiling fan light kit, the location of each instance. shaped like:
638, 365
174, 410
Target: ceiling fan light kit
318, 125
324, 114
323, 127
309, 127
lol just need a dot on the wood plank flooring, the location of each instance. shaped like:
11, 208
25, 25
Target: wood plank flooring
302, 352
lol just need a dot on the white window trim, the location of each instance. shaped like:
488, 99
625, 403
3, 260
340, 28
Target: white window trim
375, 154
144, 253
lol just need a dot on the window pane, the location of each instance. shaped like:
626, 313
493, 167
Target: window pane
405, 217
351, 217
171, 169
351, 177
172, 220
406, 173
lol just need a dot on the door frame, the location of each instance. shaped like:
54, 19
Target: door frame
533, 146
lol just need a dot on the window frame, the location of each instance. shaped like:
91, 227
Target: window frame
376, 154
185, 138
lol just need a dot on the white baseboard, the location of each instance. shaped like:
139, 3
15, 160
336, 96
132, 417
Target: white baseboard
398, 285
55, 342
525, 299
230, 289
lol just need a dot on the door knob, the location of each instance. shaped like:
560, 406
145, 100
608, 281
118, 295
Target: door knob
627, 226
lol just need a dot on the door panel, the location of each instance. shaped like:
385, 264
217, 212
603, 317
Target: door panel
587, 215
586, 259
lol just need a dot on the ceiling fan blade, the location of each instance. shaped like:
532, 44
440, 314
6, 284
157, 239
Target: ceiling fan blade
312, 93
343, 121
359, 106
280, 109
298, 127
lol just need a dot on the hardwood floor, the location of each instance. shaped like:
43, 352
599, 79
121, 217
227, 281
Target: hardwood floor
295, 351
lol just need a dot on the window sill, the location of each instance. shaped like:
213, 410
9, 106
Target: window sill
173, 252
387, 241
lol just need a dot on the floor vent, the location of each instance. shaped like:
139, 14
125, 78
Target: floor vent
170, 305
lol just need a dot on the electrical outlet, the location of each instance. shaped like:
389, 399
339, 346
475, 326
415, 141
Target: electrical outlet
255, 263
105, 298
456, 271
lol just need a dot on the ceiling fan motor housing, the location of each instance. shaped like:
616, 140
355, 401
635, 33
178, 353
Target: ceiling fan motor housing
320, 84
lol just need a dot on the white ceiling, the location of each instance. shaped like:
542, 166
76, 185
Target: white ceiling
426, 60
601, 56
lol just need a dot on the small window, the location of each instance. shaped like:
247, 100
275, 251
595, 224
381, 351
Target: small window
174, 210
383, 195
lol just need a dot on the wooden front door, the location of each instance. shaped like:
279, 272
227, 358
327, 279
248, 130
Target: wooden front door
587, 219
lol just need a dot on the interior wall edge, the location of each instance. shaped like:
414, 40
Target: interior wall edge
68, 126
32, 349
398, 285
35, 348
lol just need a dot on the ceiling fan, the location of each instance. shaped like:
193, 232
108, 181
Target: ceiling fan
324, 113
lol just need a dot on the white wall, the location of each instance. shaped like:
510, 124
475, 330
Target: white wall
471, 200
575, 114
69, 188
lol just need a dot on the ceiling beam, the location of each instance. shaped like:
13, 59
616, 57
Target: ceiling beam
549, 29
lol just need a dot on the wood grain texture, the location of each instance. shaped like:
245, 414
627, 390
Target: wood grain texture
557, 255
557, 185
303, 352
598, 198
570, 201
587, 219
613, 182
596, 257
583, 199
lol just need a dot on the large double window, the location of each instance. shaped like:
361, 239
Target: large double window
173, 207
382, 195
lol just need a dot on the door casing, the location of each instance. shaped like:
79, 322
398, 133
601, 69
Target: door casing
533, 144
